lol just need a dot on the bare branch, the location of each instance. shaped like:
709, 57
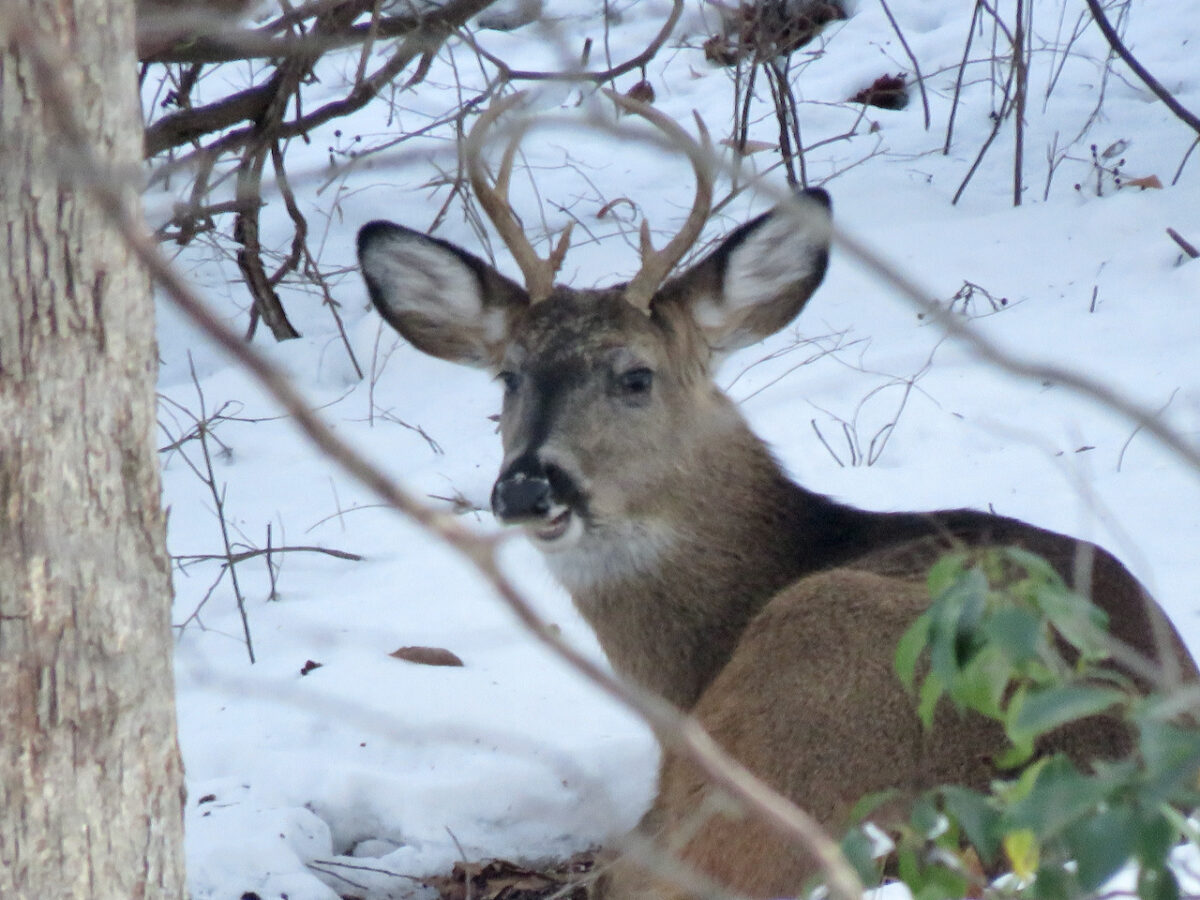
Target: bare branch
243, 555
1114, 41
223, 44
251, 104
887, 11
507, 73
1183, 243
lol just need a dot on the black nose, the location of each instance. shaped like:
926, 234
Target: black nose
522, 492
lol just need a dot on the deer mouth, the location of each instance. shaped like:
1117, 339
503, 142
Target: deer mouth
554, 527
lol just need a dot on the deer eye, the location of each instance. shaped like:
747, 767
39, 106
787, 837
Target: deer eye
635, 382
511, 381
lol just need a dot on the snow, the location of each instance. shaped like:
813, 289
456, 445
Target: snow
369, 772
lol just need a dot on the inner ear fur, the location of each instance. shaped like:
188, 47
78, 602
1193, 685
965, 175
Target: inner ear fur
445, 301
760, 277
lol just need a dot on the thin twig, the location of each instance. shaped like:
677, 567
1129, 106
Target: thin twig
234, 44
1183, 162
987, 143
1114, 41
1187, 246
507, 73
218, 494
958, 78
1019, 63
244, 555
912, 58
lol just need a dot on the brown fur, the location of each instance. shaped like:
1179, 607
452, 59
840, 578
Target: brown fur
769, 611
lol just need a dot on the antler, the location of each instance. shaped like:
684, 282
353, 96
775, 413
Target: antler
539, 273
657, 264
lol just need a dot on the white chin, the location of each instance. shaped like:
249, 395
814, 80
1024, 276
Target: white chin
558, 531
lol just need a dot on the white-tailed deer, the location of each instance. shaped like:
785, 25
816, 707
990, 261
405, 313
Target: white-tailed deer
769, 611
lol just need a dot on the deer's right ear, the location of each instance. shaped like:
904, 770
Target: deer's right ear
445, 301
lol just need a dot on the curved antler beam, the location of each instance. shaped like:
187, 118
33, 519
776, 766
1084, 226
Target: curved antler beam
657, 264
539, 273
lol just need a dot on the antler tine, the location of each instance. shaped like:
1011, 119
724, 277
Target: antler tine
657, 264
539, 273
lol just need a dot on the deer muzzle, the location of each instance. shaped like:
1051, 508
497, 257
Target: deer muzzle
529, 494
521, 496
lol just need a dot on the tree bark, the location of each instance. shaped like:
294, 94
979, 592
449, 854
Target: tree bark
90, 775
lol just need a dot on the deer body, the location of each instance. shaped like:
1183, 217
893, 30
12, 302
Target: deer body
769, 611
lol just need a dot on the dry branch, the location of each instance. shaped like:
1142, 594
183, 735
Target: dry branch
421, 36
1184, 243
912, 58
1114, 41
639, 61
230, 45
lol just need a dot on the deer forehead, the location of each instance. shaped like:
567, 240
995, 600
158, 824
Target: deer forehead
589, 327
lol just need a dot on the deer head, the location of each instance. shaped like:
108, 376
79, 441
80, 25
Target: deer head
610, 412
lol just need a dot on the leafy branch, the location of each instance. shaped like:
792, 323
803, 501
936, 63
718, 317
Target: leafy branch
1005, 638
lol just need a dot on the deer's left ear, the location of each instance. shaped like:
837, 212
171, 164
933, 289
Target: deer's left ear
760, 277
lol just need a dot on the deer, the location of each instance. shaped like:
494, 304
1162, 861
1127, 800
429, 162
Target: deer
767, 611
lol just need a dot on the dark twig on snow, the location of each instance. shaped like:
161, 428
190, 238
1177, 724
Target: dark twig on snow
1020, 67
958, 79
254, 552
1183, 162
912, 58
507, 73
187, 125
1114, 41
1185, 244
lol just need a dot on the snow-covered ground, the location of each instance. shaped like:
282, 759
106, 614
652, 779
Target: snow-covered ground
313, 785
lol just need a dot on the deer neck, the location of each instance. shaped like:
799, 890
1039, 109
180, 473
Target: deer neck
670, 595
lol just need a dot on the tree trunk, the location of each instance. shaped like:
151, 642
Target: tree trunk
90, 774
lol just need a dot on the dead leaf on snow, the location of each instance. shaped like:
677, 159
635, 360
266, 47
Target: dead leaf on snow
1150, 181
427, 656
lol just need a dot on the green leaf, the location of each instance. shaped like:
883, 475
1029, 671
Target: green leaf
1172, 758
1022, 747
951, 618
1017, 632
940, 883
1046, 709
929, 695
1015, 756
1157, 884
925, 817
977, 817
1102, 844
982, 683
1157, 831
1037, 566
1059, 796
867, 805
1013, 792
944, 572
908, 651
1053, 883
909, 867
857, 848
1021, 848
1077, 620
